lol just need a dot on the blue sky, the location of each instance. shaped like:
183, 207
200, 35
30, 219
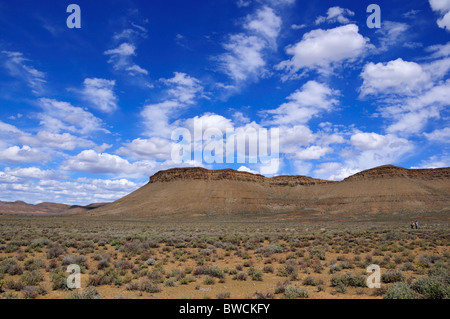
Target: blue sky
86, 114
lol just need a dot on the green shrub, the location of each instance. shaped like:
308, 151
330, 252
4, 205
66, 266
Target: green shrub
399, 290
268, 269
31, 278
59, 280
294, 292
11, 267
316, 252
148, 286
171, 282
88, 293
392, 276
30, 292
431, 288
223, 295
240, 276
209, 280
54, 251
310, 281
256, 275
14, 285
348, 279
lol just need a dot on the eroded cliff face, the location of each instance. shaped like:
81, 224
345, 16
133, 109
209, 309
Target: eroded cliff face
201, 192
199, 173
391, 171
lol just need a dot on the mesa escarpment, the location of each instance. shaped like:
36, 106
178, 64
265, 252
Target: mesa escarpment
186, 192
391, 171
200, 173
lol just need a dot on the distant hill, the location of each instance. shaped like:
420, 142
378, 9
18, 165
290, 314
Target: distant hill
185, 192
19, 207
22, 208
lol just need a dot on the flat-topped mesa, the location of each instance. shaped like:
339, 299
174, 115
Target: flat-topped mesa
391, 171
199, 173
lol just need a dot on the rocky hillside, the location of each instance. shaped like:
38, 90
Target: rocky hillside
20, 207
199, 173
391, 171
185, 192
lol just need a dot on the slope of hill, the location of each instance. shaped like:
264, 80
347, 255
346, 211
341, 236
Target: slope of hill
20, 207
198, 192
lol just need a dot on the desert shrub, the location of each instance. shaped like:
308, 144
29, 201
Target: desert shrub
201, 270
134, 285
294, 292
408, 266
155, 275
86, 246
70, 243
59, 280
310, 281
334, 267
10, 295
392, 276
186, 280
441, 274
171, 282
148, 286
341, 287
267, 251
88, 293
256, 275
399, 290
150, 261
11, 267
317, 252
317, 268
132, 248
30, 292
109, 277
31, 278
34, 264
261, 295
268, 269
431, 288
72, 259
240, 276
39, 243
54, 251
281, 287
209, 280
14, 285
282, 272
345, 265
213, 271
223, 295
102, 264
348, 279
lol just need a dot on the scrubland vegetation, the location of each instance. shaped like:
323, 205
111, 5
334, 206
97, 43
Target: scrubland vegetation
206, 259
